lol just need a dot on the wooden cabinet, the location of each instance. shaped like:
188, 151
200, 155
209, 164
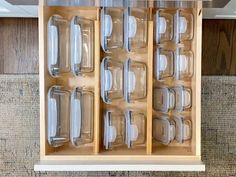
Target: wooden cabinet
93, 157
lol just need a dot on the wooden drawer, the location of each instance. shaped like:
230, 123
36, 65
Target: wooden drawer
152, 156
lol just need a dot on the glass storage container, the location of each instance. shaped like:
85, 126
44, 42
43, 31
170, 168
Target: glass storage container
58, 105
183, 64
57, 45
135, 28
111, 28
81, 117
183, 98
114, 129
111, 80
164, 26
163, 64
135, 128
163, 99
163, 130
82, 45
135, 83
183, 129
183, 26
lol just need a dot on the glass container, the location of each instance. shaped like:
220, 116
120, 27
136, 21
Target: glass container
135, 80
57, 46
112, 28
81, 117
135, 128
58, 105
81, 45
111, 80
135, 28
163, 99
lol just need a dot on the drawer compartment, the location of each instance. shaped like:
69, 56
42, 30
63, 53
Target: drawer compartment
122, 83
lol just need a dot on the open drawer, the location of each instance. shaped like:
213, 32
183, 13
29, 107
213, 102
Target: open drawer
120, 85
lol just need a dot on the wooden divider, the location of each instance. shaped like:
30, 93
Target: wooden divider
149, 87
97, 89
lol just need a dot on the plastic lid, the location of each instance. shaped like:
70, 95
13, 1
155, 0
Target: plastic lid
162, 63
131, 130
183, 24
52, 44
111, 134
52, 117
162, 25
187, 98
131, 81
171, 99
76, 118
108, 80
107, 25
76, 44
183, 63
132, 26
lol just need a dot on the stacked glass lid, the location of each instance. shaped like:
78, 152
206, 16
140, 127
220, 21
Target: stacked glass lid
173, 72
70, 110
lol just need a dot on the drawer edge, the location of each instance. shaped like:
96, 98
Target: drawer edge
98, 166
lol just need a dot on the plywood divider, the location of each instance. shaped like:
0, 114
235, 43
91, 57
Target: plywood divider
97, 89
150, 87
198, 69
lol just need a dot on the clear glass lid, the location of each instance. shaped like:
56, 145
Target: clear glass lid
183, 129
184, 26
135, 128
111, 28
81, 117
135, 80
58, 105
163, 64
114, 129
184, 63
111, 80
183, 98
163, 130
82, 45
57, 45
163, 99
135, 28
164, 26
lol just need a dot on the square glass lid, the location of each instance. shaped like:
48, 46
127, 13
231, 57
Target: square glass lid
58, 105
81, 117
183, 98
163, 99
114, 129
135, 28
135, 128
111, 80
163, 64
57, 45
163, 130
183, 128
184, 26
164, 26
81, 45
111, 28
135, 80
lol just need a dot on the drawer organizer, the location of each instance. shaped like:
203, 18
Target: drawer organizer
120, 86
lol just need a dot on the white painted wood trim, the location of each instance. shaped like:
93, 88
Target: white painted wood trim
93, 166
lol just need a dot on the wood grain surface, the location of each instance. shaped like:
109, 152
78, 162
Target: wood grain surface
219, 47
18, 46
